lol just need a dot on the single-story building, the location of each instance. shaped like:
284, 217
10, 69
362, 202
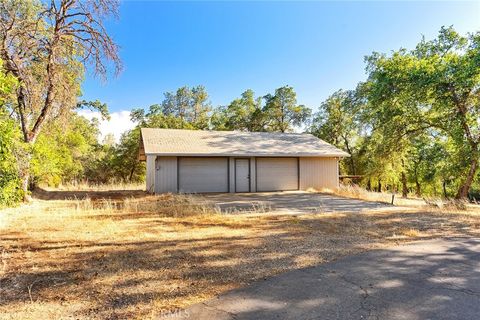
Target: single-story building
196, 161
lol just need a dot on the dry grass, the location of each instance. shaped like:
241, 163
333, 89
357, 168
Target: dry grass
353, 191
356, 192
411, 233
85, 186
138, 257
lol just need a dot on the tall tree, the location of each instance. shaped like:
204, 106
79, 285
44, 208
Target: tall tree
282, 112
47, 46
335, 123
243, 114
200, 106
441, 81
126, 156
190, 105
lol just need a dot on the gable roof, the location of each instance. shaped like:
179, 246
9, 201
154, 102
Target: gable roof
177, 142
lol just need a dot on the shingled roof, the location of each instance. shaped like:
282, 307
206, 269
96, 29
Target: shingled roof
177, 142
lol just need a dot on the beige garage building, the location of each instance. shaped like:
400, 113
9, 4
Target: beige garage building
194, 161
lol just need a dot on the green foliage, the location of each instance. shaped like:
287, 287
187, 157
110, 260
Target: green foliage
7, 86
189, 105
10, 191
433, 89
282, 112
336, 123
279, 114
95, 106
242, 114
63, 151
413, 125
127, 164
47, 46
117, 162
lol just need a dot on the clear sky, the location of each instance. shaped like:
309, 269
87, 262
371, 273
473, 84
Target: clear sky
316, 47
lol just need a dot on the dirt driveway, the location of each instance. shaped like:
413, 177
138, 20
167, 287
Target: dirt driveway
293, 202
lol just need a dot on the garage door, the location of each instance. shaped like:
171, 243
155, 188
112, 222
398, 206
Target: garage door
277, 174
203, 175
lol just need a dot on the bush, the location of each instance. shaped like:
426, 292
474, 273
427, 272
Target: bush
10, 191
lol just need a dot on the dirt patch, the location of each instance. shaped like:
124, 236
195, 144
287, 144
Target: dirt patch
150, 255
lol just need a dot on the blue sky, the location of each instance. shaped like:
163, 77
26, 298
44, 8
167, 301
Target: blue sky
316, 47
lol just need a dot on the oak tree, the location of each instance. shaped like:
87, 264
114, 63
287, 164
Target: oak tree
47, 46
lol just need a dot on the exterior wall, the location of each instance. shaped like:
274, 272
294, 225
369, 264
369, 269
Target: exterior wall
315, 173
318, 173
166, 175
150, 174
231, 172
253, 175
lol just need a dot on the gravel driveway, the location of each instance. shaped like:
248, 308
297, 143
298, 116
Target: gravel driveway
289, 202
433, 279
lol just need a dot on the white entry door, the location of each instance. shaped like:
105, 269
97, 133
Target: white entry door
242, 175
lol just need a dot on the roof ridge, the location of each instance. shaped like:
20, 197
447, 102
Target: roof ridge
226, 131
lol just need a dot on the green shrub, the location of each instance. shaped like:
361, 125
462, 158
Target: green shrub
10, 191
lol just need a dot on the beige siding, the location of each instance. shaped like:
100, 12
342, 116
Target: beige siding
277, 174
150, 174
315, 173
231, 172
253, 175
166, 175
318, 173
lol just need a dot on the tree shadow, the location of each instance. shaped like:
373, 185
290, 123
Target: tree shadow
118, 278
436, 279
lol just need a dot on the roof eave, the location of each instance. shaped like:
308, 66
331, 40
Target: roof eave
191, 154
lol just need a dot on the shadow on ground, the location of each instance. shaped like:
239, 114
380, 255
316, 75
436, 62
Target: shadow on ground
125, 265
436, 279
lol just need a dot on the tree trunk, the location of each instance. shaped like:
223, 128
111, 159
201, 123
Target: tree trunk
404, 181
465, 187
404, 185
24, 174
418, 189
352, 161
444, 186
25, 183
132, 171
369, 185
472, 141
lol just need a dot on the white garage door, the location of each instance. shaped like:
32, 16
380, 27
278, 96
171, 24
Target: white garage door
203, 175
277, 174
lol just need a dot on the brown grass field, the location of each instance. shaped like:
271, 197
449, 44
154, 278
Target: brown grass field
136, 256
